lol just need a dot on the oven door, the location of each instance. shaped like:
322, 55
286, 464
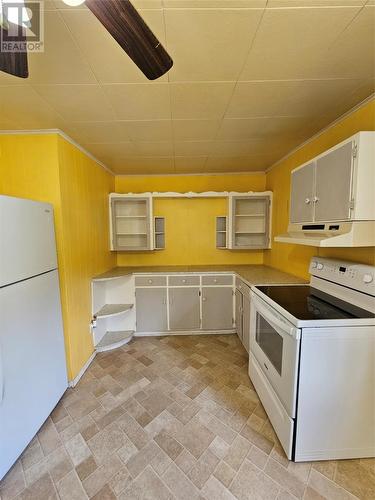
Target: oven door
274, 343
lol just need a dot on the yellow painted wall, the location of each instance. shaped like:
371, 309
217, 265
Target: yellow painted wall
190, 223
295, 258
47, 168
84, 188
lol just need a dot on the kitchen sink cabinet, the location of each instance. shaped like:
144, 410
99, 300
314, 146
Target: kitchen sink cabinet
217, 308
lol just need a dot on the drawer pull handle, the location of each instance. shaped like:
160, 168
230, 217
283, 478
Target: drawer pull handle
183, 281
215, 280
150, 281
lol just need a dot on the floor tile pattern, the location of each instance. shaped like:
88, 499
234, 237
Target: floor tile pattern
172, 418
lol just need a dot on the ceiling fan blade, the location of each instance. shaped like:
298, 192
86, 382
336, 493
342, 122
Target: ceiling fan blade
14, 63
130, 31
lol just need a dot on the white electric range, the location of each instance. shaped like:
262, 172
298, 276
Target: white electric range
312, 361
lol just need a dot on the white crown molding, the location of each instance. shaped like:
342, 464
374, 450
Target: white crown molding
205, 174
62, 134
322, 131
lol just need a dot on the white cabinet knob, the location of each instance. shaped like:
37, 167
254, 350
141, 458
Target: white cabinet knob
307, 201
150, 281
320, 266
315, 199
204, 299
183, 281
215, 280
313, 264
367, 278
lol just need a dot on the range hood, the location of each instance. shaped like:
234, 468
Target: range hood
340, 234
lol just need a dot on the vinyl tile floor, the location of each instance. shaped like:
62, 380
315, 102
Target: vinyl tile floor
171, 418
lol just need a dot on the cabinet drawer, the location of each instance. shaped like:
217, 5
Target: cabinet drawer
222, 279
242, 286
183, 280
151, 281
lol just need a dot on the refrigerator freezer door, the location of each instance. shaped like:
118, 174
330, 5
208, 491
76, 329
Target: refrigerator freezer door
27, 239
32, 361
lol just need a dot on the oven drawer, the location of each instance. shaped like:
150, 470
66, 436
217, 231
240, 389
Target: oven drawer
282, 423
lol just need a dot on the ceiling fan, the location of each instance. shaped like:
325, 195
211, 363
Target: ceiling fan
120, 19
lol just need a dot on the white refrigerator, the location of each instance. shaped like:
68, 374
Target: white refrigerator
32, 356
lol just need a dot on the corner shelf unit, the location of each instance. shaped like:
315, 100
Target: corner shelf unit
250, 221
113, 312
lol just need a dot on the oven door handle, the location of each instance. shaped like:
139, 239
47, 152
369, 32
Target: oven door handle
274, 320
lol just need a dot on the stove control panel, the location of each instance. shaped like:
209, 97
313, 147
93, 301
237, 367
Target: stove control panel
357, 276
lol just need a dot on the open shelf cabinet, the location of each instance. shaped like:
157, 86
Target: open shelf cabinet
131, 222
249, 221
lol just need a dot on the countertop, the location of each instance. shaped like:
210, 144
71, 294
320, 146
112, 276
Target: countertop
251, 274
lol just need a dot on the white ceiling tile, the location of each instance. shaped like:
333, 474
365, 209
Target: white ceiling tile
290, 42
143, 166
154, 149
238, 164
90, 132
108, 152
190, 164
107, 59
193, 130
266, 98
193, 148
200, 100
263, 127
61, 61
148, 130
143, 101
314, 3
209, 44
75, 102
352, 55
214, 4
22, 105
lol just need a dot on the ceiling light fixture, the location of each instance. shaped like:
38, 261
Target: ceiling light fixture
74, 3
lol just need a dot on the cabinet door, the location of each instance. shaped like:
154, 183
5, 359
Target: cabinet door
301, 196
246, 322
217, 308
151, 309
184, 308
333, 184
239, 305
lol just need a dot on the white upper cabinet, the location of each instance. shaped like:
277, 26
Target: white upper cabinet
131, 222
249, 221
301, 199
337, 185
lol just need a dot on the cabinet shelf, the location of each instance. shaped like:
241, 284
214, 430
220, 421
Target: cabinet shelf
114, 339
131, 234
250, 215
131, 216
112, 310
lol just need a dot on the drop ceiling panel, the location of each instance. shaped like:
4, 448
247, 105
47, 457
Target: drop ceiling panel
190, 164
148, 130
75, 102
136, 166
143, 101
290, 42
194, 130
209, 44
200, 100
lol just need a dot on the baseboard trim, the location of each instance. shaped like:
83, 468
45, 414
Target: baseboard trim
74, 382
187, 332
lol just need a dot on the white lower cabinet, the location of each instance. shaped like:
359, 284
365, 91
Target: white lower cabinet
217, 308
243, 305
183, 303
184, 308
151, 309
